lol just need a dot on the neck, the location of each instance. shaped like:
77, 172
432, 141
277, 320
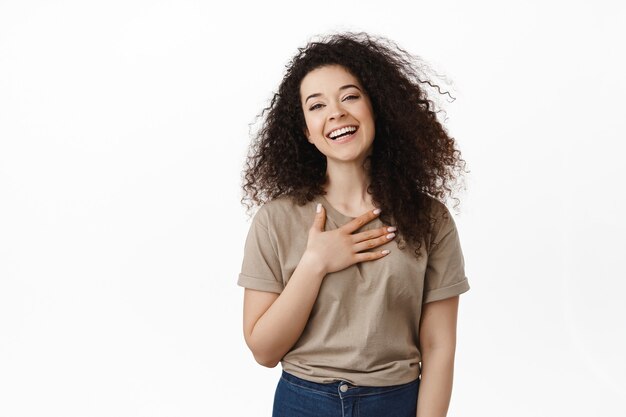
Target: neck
347, 187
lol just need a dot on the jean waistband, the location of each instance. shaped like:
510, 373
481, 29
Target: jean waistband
343, 387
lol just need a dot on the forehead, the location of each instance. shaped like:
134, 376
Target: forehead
326, 80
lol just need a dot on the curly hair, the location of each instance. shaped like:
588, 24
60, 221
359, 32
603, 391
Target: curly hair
413, 163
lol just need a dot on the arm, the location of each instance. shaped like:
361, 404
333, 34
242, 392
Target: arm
272, 322
437, 345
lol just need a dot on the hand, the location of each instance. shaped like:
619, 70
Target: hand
337, 249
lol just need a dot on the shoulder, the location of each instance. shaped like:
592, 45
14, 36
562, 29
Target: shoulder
437, 208
281, 210
441, 221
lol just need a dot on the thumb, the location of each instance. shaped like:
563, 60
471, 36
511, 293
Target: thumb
320, 218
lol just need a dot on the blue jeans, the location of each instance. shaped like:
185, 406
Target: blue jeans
297, 397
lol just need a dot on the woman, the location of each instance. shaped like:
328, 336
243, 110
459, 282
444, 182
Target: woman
350, 159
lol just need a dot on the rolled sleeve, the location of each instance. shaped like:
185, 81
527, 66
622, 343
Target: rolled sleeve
445, 270
260, 268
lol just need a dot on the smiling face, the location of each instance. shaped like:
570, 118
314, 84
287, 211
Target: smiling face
338, 114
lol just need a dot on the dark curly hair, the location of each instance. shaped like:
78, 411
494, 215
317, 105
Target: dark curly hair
414, 162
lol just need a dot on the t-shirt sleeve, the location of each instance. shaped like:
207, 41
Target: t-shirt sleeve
445, 270
260, 269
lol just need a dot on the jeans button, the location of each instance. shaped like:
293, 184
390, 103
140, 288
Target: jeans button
343, 388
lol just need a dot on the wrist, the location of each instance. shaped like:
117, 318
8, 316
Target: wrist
313, 263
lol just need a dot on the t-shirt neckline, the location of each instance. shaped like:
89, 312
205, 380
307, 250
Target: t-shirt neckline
334, 213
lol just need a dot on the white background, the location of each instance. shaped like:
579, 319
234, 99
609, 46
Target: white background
123, 133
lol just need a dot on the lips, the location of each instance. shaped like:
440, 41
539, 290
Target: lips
341, 132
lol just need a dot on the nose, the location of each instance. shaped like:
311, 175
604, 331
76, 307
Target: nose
336, 111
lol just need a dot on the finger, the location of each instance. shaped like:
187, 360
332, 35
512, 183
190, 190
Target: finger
358, 222
372, 243
320, 218
370, 256
372, 234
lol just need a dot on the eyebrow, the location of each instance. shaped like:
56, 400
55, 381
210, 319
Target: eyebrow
340, 88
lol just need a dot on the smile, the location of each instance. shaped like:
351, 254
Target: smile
342, 133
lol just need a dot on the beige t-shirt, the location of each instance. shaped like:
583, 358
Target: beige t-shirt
364, 326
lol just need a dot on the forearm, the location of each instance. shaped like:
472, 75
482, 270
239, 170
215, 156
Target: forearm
278, 329
436, 384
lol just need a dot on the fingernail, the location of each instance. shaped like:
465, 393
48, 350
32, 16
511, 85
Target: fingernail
391, 229
390, 235
376, 211
318, 209
385, 252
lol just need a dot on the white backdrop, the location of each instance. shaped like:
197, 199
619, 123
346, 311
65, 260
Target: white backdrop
123, 132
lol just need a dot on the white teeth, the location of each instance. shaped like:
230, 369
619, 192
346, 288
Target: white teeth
341, 131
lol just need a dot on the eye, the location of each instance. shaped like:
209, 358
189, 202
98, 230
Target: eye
315, 106
351, 97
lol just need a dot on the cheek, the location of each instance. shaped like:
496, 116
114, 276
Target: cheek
313, 125
309, 130
367, 112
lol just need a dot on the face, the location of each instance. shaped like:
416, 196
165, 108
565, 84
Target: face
338, 114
